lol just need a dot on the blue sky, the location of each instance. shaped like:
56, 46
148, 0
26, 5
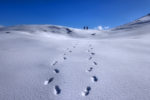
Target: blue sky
73, 13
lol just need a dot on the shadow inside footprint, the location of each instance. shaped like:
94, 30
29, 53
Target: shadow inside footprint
55, 63
95, 63
88, 88
90, 45
91, 68
8, 32
90, 58
88, 51
92, 53
56, 70
48, 81
93, 34
94, 79
70, 51
57, 90
67, 49
64, 58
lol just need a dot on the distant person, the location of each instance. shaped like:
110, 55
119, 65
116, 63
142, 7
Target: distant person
84, 27
87, 27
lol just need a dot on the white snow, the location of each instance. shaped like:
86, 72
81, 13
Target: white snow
29, 54
46, 82
145, 18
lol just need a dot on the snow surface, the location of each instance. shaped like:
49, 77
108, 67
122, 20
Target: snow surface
46, 62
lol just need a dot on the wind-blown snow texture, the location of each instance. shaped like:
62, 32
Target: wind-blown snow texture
46, 62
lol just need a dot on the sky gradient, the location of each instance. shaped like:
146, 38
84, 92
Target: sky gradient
72, 13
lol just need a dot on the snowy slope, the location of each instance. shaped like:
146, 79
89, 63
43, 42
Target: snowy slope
141, 22
44, 62
135, 29
47, 30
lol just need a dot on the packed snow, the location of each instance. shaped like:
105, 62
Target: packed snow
47, 62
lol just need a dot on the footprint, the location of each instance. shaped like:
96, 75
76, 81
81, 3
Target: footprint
90, 45
64, 58
94, 78
56, 70
74, 46
64, 54
57, 90
7, 32
86, 91
90, 69
91, 48
70, 51
48, 81
88, 51
90, 58
93, 34
95, 63
67, 49
92, 53
55, 63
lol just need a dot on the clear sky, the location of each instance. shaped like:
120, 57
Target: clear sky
73, 13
